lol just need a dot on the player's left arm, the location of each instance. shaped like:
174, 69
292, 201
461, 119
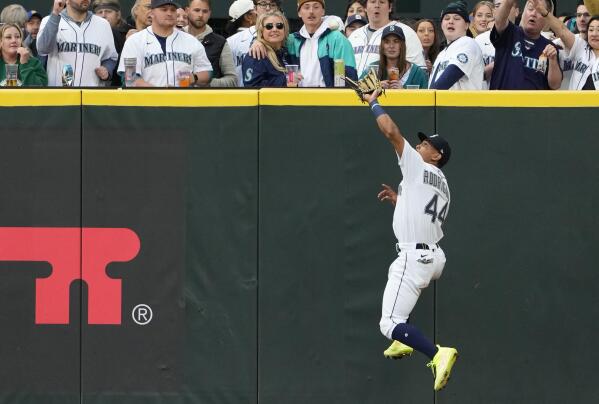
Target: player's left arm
554, 71
385, 123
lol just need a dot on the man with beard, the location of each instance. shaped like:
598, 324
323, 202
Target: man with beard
216, 46
75, 36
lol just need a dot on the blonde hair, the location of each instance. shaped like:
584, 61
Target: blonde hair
3, 29
14, 14
270, 51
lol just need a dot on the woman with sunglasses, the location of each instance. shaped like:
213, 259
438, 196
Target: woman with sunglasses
272, 29
30, 69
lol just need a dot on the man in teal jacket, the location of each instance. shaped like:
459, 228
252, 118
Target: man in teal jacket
318, 44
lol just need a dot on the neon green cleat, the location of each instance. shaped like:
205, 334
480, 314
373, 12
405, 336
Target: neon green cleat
441, 365
397, 350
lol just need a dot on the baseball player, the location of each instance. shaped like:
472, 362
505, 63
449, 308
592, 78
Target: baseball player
162, 51
75, 36
460, 65
421, 206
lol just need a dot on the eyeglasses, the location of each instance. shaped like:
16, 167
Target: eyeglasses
579, 15
264, 4
270, 26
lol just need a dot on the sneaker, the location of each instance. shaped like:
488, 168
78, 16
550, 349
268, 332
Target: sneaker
397, 350
441, 365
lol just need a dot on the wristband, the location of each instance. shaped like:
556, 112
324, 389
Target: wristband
376, 109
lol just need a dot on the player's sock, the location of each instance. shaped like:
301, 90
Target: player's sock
411, 336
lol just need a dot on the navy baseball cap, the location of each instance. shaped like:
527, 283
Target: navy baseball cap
393, 30
356, 18
33, 13
438, 143
159, 3
458, 8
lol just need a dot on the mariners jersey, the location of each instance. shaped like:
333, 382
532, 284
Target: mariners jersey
584, 63
159, 68
467, 56
422, 200
488, 51
367, 51
84, 46
240, 46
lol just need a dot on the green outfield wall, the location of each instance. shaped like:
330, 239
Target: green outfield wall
247, 223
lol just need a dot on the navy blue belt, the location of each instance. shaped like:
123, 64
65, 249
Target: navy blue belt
419, 246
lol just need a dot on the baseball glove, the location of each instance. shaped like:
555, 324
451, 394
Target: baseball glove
368, 85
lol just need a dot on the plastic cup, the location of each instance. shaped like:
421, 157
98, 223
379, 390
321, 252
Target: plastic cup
130, 71
292, 75
413, 87
393, 73
12, 73
184, 78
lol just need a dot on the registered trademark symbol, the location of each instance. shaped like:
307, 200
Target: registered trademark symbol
142, 314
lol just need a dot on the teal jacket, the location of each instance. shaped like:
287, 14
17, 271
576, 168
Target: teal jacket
331, 45
31, 73
417, 76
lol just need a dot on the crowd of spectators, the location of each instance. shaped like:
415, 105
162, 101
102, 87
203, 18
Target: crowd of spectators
500, 44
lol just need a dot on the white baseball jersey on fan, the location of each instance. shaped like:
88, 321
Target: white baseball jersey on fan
465, 53
159, 68
488, 52
84, 46
366, 51
584, 63
240, 46
422, 205
565, 63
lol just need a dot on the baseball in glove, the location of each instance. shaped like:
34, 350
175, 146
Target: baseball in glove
368, 85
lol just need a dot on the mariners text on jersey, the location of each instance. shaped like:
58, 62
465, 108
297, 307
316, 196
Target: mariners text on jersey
168, 56
79, 47
436, 181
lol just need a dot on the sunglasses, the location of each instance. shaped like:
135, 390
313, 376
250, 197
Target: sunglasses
270, 26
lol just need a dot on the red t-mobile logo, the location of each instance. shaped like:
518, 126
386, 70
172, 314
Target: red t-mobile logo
74, 253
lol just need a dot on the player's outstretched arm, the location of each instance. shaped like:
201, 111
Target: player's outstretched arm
385, 123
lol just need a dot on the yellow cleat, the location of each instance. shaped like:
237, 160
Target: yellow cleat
397, 350
441, 365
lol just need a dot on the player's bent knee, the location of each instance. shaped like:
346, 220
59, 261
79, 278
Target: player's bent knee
387, 327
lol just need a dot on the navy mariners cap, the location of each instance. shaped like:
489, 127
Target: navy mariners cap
438, 143
159, 3
356, 18
33, 13
393, 30
459, 8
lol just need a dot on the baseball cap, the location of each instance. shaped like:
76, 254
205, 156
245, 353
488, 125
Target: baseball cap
438, 143
239, 8
356, 18
300, 3
106, 4
159, 3
393, 30
33, 13
458, 8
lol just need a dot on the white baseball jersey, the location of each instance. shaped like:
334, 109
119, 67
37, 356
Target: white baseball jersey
84, 46
488, 51
565, 62
584, 63
367, 51
240, 46
160, 68
467, 56
422, 200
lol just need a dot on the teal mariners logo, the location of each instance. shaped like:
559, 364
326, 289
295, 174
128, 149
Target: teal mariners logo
79, 47
462, 58
156, 58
